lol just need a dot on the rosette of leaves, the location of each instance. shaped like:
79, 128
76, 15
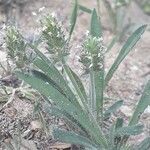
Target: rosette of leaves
16, 47
53, 34
82, 111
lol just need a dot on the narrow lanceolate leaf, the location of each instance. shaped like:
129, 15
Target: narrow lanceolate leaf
73, 17
129, 130
62, 102
144, 145
48, 89
79, 82
99, 88
73, 138
96, 92
96, 76
85, 9
96, 29
59, 113
142, 105
82, 100
119, 123
113, 108
55, 76
128, 46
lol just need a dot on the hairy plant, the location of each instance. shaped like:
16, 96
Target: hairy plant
19, 56
65, 94
116, 11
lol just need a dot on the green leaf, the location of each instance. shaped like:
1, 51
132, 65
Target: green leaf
45, 87
57, 112
113, 108
73, 138
82, 100
144, 145
96, 77
62, 102
96, 92
85, 9
142, 105
128, 46
119, 123
99, 89
91, 126
96, 30
55, 75
73, 17
129, 130
79, 83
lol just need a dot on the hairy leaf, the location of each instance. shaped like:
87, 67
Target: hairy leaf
79, 82
55, 75
129, 130
142, 105
61, 101
73, 17
128, 46
113, 108
144, 145
96, 30
72, 137
85, 9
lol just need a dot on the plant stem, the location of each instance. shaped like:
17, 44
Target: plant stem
92, 101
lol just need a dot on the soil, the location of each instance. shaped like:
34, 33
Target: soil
127, 83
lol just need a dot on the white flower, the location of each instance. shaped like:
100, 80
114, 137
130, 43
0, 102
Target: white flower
78, 46
41, 9
4, 26
53, 14
34, 13
87, 32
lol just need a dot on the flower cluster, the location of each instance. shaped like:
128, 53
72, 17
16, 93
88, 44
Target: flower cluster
92, 53
55, 38
16, 47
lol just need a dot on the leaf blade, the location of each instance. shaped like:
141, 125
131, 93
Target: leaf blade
130, 43
73, 18
144, 145
142, 105
72, 137
95, 30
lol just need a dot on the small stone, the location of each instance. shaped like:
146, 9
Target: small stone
126, 111
147, 110
36, 124
10, 112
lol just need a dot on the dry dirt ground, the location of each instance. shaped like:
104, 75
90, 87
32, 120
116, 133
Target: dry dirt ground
127, 84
